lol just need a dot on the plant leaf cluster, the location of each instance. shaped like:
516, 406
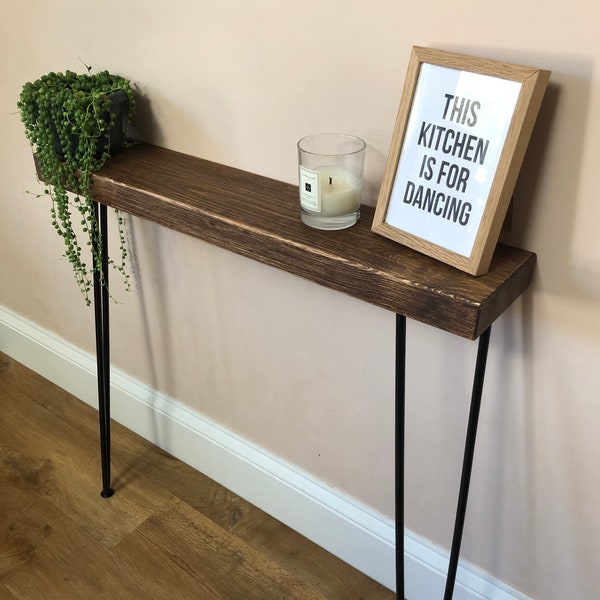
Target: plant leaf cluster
69, 119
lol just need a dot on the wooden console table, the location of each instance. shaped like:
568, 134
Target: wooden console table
258, 217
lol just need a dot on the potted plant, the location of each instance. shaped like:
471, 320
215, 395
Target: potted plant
74, 122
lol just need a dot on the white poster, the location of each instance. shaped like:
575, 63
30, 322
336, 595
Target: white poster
454, 137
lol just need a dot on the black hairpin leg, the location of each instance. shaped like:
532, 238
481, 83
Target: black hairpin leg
463, 494
461, 510
400, 418
101, 301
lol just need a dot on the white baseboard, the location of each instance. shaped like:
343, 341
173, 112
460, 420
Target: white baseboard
336, 522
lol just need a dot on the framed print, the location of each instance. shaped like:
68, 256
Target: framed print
461, 133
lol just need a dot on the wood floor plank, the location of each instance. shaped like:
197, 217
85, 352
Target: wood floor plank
65, 470
6, 594
20, 534
169, 531
45, 554
225, 565
298, 555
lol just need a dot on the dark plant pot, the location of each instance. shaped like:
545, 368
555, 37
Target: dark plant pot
117, 135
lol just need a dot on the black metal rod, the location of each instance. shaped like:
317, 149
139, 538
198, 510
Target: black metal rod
101, 304
400, 394
465, 480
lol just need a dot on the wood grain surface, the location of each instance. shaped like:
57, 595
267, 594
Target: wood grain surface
259, 218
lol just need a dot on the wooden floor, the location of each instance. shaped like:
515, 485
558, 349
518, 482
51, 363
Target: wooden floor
167, 533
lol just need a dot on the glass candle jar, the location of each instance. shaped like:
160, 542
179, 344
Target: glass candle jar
330, 175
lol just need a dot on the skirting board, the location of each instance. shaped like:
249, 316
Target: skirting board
336, 522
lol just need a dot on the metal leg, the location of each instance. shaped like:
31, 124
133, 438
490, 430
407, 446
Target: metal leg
463, 494
400, 419
101, 302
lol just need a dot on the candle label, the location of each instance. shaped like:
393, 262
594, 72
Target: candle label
310, 198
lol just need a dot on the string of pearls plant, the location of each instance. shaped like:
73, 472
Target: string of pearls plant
73, 122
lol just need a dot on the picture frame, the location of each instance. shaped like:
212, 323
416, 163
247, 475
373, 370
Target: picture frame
461, 133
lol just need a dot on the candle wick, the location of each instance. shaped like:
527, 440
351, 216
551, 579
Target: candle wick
330, 181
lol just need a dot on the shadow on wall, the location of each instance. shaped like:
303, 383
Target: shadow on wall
169, 121
146, 126
145, 240
511, 432
560, 131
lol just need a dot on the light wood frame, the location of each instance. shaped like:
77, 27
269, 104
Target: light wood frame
448, 157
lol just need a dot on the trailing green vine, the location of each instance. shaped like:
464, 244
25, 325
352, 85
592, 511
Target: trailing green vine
70, 121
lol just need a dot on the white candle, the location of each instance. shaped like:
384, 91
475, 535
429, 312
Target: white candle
339, 191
